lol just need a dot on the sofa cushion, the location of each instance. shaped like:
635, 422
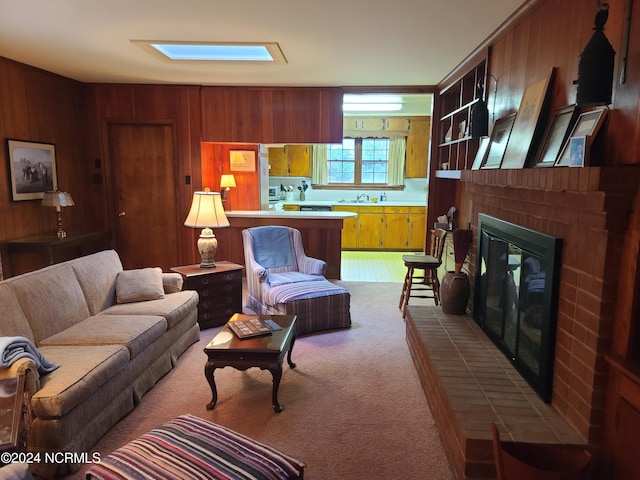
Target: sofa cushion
51, 299
14, 323
97, 277
82, 371
136, 332
173, 307
139, 285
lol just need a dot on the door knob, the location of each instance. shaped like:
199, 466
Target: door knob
122, 214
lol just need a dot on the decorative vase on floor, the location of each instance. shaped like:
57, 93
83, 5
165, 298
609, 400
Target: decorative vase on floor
455, 290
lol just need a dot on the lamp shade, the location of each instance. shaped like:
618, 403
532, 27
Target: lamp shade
206, 211
57, 199
227, 180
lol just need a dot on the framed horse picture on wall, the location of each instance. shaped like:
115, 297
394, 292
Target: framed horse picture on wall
33, 169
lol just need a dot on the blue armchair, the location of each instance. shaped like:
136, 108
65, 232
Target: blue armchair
283, 280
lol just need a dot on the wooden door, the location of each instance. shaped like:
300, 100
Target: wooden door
145, 207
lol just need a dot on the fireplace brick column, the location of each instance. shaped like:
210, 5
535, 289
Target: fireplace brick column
589, 209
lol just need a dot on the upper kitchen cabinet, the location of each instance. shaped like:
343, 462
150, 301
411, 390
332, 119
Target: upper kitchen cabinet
272, 115
290, 161
456, 149
375, 126
417, 154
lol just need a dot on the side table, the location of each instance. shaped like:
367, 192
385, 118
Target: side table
11, 413
219, 288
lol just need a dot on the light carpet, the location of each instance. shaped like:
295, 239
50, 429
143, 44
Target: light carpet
353, 407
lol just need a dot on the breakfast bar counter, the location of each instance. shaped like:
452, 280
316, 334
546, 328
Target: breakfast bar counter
321, 234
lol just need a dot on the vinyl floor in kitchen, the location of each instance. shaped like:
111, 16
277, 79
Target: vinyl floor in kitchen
360, 266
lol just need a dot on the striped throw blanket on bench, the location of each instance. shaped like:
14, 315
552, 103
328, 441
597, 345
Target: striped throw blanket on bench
188, 448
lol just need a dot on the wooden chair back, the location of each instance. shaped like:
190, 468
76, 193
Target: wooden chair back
529, 461
437, 242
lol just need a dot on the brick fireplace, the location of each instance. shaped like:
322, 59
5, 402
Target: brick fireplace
588, 208
467, 383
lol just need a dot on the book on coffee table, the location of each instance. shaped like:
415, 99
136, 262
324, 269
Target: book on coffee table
253, 327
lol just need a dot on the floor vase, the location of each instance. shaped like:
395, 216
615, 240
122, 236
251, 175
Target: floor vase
454, 293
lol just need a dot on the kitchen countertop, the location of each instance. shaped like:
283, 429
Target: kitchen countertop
353, 204
288, 214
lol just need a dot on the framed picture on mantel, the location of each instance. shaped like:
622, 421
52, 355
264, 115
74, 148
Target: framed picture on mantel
528, 128
498, 142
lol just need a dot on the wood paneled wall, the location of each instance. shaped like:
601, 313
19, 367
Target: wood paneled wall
215, 162
271, 115
39, 106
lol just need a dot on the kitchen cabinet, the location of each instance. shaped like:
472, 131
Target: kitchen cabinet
396, 228
299, 158
417, 228
417, 156
290, 161
349, 227
370, 227
382, 227
375, 126
278, 163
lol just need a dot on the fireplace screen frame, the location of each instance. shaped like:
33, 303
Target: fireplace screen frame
525, 244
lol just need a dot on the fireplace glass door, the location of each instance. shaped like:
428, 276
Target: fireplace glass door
516, 296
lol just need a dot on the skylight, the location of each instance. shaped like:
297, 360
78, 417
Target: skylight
213, 51
236, 53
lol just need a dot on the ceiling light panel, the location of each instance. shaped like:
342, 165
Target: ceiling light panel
239, 52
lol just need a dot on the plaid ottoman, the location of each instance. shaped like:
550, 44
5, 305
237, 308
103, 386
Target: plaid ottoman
319, 305
189, 447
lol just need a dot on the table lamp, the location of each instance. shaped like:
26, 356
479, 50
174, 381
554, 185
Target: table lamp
227, 181
207, 213
58, 199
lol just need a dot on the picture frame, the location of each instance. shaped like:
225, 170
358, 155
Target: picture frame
587, 125
481, 153
242, 160
528, 127
556, 133
578, 151
498, 142
33, 169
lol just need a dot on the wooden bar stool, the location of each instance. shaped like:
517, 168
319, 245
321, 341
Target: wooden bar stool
413, 285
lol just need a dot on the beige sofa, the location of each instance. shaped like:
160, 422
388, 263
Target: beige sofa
113, 333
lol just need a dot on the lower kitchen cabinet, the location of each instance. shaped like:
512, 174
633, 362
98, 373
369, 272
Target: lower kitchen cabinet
370, 227
384, 227
219, 289
417, 228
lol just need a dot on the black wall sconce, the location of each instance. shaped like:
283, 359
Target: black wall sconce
596, 64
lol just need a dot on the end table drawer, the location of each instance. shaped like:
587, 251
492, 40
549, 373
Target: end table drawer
219, 290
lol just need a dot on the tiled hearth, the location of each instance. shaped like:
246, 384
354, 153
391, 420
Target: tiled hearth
469, 385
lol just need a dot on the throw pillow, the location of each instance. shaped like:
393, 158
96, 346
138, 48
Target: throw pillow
139, 285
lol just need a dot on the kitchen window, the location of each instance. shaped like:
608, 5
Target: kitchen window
358, 161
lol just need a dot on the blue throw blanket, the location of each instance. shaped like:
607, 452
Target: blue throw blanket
15, 348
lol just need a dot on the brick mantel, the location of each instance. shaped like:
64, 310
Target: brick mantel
589, 208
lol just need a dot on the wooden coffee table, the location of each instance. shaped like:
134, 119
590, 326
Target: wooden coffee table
266, 353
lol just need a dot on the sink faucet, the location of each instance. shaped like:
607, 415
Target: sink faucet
359, 197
